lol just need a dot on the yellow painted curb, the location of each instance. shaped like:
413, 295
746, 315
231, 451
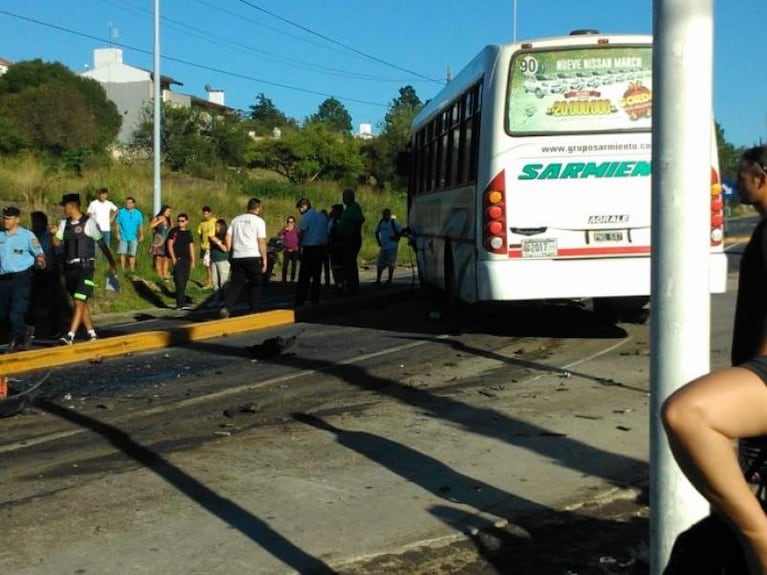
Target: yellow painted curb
736, 239
37, 359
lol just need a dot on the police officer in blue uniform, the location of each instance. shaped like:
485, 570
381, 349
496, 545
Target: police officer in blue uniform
20, 252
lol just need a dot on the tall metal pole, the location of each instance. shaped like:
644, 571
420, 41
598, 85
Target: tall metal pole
514, 19
157, 149
681, 204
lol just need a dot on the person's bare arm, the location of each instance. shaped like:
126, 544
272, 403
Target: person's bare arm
171, 248
262, 251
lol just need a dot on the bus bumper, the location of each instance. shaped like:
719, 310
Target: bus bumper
532, 279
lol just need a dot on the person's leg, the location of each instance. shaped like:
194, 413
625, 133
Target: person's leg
5, 304
702, 419
77, 316
326, 265
20, 288
354, 272
180, 279
314, 263
255, 281
380, 264
87, 317
293, 265
208, 268
304, 271
132, 250
122, 251
285, 260
391, 263
237, 282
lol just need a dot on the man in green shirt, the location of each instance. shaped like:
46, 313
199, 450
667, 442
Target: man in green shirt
350, 230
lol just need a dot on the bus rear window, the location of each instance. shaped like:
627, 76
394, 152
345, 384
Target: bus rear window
591, 89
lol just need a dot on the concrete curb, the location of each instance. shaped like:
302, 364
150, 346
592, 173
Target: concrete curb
38, 359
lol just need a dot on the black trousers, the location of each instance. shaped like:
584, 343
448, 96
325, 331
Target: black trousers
351, 250
14, 300
244, 271
312, 258
181, 278
292, 259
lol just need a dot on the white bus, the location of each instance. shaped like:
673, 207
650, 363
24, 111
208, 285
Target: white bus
529, 175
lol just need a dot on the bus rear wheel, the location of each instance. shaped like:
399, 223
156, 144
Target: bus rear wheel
629, 309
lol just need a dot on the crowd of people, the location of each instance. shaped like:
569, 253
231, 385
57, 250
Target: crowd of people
40, 266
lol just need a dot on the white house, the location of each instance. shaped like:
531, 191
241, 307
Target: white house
132, 88
4, 65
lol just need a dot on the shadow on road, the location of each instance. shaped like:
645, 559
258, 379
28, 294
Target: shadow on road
540, 539
228, 511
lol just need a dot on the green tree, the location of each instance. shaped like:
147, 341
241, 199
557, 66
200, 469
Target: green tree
185, 145
381, 153
231, 140
728, 154
312, 153
265, 117
333, 114
48, 107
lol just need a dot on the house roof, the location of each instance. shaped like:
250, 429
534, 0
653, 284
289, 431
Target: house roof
203, 103
163, 79
4, 62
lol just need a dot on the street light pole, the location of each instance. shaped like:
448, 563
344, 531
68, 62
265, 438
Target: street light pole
514, 20
680, 326
157, 150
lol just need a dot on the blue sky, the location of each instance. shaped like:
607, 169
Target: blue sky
359, 51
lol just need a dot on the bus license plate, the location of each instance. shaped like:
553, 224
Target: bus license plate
545, 248
608, 236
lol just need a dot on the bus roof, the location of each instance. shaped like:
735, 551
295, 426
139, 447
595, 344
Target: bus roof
486, 59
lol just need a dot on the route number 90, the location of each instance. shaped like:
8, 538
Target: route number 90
528, 65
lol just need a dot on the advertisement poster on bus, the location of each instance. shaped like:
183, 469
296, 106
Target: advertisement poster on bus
593, 89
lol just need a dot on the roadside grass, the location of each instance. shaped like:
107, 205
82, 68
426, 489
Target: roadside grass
33, 185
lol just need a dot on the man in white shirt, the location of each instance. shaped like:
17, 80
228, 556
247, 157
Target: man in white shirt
103, 211
246, 238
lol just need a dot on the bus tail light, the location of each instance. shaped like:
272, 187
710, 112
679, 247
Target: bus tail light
717, 210
494, 215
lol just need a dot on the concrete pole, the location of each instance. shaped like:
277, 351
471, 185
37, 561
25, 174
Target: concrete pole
157, 148
514, 20
680, 328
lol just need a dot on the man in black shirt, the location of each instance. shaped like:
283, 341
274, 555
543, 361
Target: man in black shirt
181, 252
704, 417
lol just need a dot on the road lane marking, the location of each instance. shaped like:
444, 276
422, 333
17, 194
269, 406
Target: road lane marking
194, 401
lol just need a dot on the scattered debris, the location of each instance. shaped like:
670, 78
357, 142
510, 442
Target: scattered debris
622, 428
594, 417
237, 409
272, 347
223, 433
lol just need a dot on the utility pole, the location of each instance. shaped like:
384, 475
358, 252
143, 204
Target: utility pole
681, 204
157, 149
514, 21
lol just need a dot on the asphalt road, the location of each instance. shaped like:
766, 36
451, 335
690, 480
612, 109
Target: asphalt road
377, 443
